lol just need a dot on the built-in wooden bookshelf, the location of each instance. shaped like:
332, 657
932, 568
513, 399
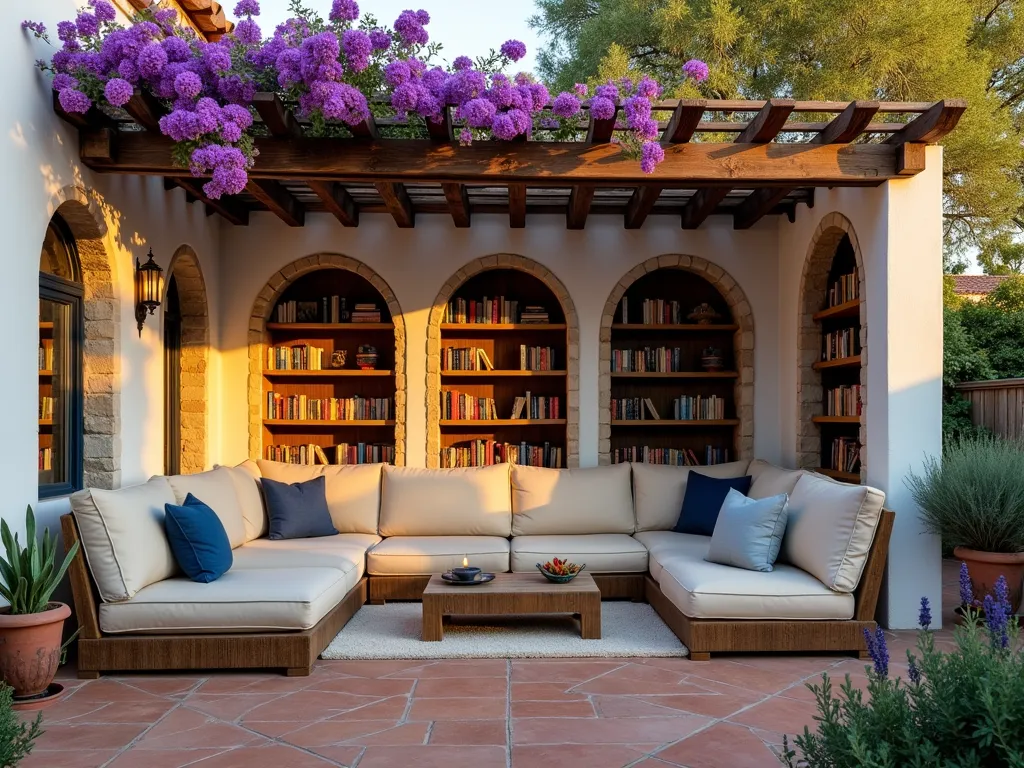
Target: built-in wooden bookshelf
46, 364
497, 383
839, 365
664, 322
307, 326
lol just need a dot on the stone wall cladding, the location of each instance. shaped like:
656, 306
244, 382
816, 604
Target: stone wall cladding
546, 276
743, 345
101, 375
258, 337
195, 352
813, 292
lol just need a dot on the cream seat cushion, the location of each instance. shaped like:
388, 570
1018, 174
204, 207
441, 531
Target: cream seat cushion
123, 537
353, 490
446, 502
602, 552
830, 529
663, 546
565, 501
770, 480
344, 551
242, 600
658, 491
422, 555
704, 590
224, 490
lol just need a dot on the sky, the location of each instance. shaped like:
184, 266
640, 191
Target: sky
463, 27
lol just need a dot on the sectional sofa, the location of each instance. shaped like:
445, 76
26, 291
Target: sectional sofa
282, 602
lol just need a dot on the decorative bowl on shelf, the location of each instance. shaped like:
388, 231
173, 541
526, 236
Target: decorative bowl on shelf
703, 314
339, 358
711, 359
560, 571
366, 357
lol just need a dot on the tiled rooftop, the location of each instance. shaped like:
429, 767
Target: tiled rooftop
495, 713
976, 285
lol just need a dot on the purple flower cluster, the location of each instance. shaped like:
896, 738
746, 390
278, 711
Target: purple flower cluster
410, 26
966, 589
696, 70
344, 10
924, 616
226, 167
878, 650
513, 50
998, 613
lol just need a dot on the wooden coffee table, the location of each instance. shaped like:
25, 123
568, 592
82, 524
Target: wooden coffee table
513, 593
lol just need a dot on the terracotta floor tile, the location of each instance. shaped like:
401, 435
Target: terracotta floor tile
307, 705
544, 692
434, 757
391, 708
371, 669
346, 756
719, 746
447, 687
469, 732
778, 714
79, 710
457, 668
79, 737
458, 709
267, 683
163, 685
357, 733
560, 671
574, 756
228, 706
162, 758
622, 730
582, 708
362, 686
185, 728
743, 676
108, 691
613, 685
81, 758
270, 756
711, 704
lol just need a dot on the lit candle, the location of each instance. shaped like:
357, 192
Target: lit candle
465, 562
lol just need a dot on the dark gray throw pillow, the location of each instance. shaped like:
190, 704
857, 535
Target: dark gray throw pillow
298, 510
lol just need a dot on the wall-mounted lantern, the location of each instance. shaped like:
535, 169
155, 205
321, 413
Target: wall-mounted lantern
149, 288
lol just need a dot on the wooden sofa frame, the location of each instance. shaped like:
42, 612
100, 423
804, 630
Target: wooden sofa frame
295, 652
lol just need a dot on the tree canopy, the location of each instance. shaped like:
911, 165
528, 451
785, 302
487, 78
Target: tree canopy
838, 50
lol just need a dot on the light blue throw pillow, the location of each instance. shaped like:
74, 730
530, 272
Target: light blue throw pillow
748, 533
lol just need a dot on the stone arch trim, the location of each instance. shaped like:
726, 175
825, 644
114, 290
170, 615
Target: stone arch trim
546, 276
101, 356
813, 287
261, 309
743, 345
195, 353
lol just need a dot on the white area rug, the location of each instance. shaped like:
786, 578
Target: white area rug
392, 631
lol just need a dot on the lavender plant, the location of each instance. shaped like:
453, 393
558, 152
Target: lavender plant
963, 708
335, 72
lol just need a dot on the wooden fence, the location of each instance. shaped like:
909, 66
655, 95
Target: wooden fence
996, 405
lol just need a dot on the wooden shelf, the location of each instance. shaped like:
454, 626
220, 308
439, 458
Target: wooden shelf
46, 422
326, 374
675, 422
853, 361
330, 326
836, 419
485, 374
488, 327
328, 423
676, 375
835, 474
45, 326
470, 423
846, 309
43, 372
685, 327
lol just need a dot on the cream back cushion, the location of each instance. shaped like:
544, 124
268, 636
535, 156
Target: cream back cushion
446, 502
221, 490
548, 502
123, 537
658, 491
830, 529
770, 480
353, 490
247, 477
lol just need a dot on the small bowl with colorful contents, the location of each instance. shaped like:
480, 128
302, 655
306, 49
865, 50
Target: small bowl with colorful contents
560, 571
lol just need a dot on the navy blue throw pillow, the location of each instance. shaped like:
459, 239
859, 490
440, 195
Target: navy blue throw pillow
198, 540
298, 510
703, 501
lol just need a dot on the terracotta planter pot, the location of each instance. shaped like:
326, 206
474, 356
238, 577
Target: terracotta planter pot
986, 568
30, 648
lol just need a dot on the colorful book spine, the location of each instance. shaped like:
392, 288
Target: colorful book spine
303, 408
457, 406
647, 360
698, 408
843, 401
482, 453
536, 358
301, 357
679, 457
839, 344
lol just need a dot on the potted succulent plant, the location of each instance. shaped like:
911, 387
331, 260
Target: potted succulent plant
974, 499
31, 626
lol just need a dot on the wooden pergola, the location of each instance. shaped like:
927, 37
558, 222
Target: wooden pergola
774, 162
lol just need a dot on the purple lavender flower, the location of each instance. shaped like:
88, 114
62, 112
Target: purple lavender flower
602, 108
997, 621
651, 154
347, 104
188, 85
410, 29
566, 105
208, 114
435, 81
503, 127
966, 589
380, 40
118, 92
648, 88
396, 72
465, 137
180, 125
607, 91
696, 70
358, 49
37, 28
520, 120
216, 57
67, 31
152, 60
230, 132
501, 92
72, 100
247, 8
461, 63
235, 113
344, 10
62, 81
581, 90
878, 651
248, 32
87, 24
1002, 594
513, 50
166, 17
104, 11
924, 617
540, 94
404, 97
177, 50
423, 17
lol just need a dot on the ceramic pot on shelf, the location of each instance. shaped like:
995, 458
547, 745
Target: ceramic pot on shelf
711, 359
366, 357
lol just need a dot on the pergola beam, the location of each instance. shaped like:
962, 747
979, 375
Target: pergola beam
278, 200
230, 210
337, 200
598, 132
517, 205
397, 201
930, 126
276, 117
458, 203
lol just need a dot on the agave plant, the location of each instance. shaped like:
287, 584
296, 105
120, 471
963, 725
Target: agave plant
29, 574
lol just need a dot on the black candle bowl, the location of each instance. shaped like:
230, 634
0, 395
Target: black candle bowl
465, 573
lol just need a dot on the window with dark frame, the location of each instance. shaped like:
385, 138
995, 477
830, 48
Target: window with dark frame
61, 339
172, 380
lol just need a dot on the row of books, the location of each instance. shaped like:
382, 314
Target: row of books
483, 453
846, 454
365, 312
653, 359
536, 407
301, 357
486, 310
344, 453
839, 344
463, 407
303, 408
46, 355
843, 401
46, 407
679, 457
845, 289
684, 408
536, 358
45, 459
656, 312
465, 359
329, 309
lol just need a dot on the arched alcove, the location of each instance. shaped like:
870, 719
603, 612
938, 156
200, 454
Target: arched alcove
834, 240
259, 337
711, 281
564, 320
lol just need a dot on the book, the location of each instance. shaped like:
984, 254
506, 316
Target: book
303, 408
483, 361
320, 455
647, 359
482, 453
517, 407
652, 409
